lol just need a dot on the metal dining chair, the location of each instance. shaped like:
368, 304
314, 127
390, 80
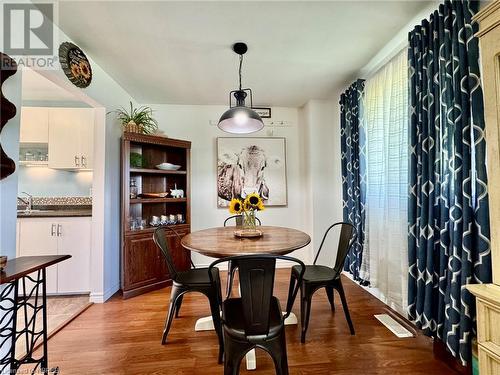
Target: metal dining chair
231, 270
193, 280
255, 319
317, 277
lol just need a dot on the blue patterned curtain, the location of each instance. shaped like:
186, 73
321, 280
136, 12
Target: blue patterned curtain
448, 202
353, 170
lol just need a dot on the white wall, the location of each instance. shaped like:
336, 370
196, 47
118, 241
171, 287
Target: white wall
321, 127
42, 181
191, 122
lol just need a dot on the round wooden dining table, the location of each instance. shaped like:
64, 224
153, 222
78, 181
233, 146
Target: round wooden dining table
221, 242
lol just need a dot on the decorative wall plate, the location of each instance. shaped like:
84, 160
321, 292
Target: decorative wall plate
75, 64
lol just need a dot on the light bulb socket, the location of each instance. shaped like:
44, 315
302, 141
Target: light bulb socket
240, 48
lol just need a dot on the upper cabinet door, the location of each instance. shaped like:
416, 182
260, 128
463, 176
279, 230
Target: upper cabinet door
63, 138
70, 138
87, 139
34, 125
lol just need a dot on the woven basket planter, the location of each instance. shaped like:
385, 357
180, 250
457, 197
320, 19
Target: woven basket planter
132, 127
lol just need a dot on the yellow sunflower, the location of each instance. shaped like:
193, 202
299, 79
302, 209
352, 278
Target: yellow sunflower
260, 207
235, 206
85, 69
253, 200
246, 206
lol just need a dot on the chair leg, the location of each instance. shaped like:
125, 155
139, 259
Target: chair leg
277, 349
231, 270
305, 311
214, 308
178, 306
293, 280
234, 352
329, 293
340, 289
174, 295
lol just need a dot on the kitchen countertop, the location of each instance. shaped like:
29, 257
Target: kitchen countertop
58, 212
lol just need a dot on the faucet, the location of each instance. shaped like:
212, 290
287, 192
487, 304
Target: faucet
28, 201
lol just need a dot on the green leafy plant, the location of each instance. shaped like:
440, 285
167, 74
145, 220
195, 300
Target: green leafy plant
136, 160
142, 117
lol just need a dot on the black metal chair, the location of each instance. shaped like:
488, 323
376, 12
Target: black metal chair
317, 277
256, 319
193, 280
231, 270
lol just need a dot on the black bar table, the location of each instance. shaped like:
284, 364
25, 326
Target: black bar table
17, 294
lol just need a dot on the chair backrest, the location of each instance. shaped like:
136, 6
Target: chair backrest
239, 220
256, 275
346, 239
161, 241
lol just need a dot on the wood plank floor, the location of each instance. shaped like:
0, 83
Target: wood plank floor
123, 337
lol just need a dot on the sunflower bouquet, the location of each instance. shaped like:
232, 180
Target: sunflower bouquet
247, 208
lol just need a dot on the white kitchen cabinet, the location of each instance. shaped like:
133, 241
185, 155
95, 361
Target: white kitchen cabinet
34, 125
74, 239
37, 236
87, 139
71, 138
59, 235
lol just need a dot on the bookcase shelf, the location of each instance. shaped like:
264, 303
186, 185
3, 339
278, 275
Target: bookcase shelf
157, 200
155, 171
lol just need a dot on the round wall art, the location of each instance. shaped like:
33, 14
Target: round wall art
75, 64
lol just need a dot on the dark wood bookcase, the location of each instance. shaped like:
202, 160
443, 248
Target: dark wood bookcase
143, 268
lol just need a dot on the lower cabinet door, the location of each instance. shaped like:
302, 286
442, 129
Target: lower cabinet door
142, 261
74, 238
38, 236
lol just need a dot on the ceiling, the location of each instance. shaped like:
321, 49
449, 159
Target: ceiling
38, 88
180, 52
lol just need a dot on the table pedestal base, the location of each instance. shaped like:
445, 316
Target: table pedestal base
206, 324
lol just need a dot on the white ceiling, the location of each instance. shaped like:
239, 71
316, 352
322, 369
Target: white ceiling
38, 88
179, 52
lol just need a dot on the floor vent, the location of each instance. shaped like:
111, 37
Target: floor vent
393, 326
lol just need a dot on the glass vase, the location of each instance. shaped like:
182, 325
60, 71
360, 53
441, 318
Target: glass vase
249, 220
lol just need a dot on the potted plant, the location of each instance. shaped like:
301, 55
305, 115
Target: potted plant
137, 120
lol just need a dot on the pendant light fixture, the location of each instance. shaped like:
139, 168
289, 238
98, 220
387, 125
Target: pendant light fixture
240, 119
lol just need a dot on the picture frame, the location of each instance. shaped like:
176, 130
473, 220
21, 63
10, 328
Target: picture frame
263, 112
251, 164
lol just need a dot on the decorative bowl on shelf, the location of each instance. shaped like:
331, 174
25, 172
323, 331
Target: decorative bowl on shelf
153, 195
168, 166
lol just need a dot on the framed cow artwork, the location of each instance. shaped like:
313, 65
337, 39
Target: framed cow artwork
247, 165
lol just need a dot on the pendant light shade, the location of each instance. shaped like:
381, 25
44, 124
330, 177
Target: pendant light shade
240, 119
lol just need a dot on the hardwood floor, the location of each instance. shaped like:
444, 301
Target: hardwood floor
123, 337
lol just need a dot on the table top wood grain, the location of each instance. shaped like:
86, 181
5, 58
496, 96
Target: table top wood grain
221, 242
22, 266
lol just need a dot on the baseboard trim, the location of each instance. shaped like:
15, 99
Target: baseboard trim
103, 297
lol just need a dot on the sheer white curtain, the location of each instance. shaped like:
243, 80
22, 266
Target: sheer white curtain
386, 129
